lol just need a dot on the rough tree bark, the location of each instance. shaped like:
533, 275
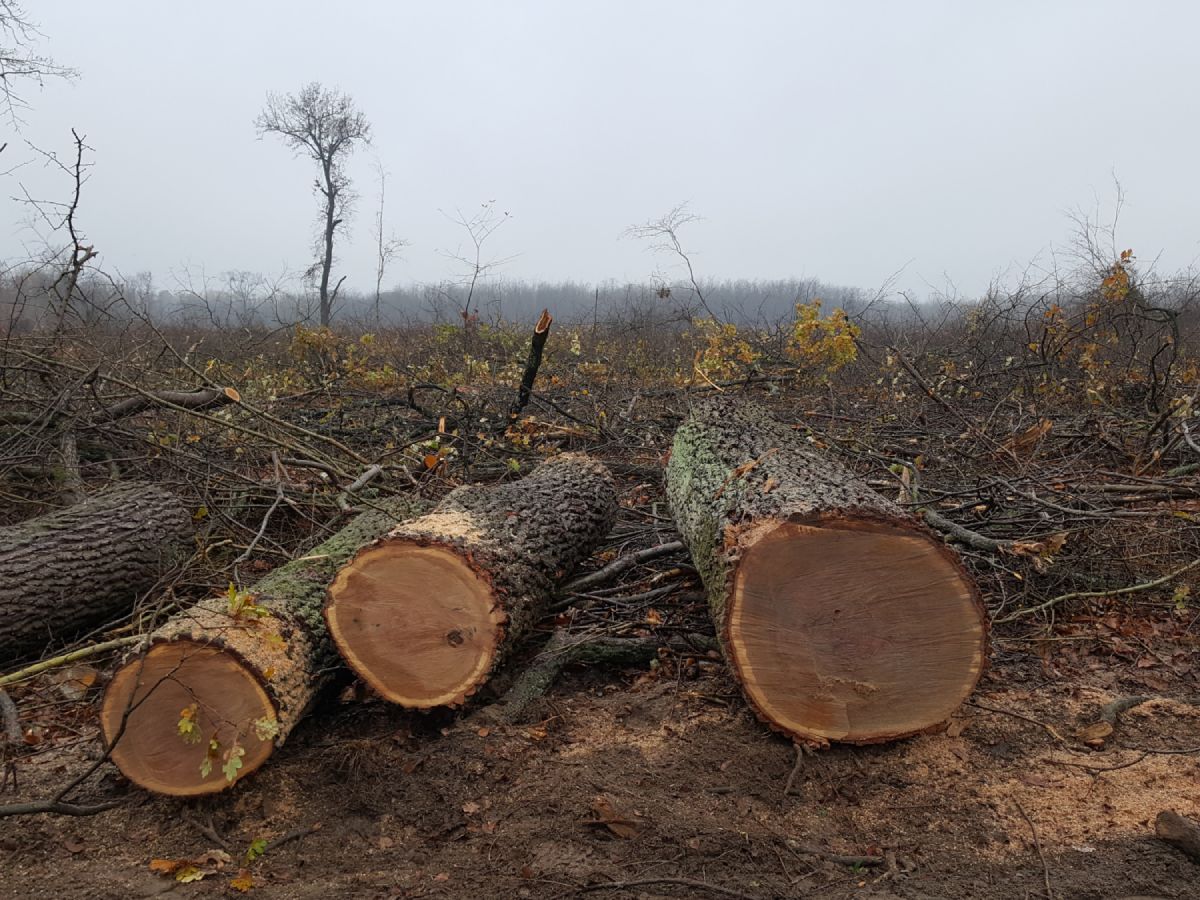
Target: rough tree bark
214, 690
843, 618
424, 615
77, 567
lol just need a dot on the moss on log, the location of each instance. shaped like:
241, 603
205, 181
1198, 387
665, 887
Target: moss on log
843, 617
425, 614
222, 684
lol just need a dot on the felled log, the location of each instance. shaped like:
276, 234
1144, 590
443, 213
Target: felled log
424, 615
80, 566
1181, 833
843, 618
219, 686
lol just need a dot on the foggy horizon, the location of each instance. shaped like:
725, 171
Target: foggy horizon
948, 145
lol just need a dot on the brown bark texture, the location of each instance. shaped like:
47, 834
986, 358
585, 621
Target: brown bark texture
79, 567
521, 538
735, 472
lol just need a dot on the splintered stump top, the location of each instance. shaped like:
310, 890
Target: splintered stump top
416, 622
852, 631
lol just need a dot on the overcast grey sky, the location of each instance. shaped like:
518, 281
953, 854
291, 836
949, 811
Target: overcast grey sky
835, 140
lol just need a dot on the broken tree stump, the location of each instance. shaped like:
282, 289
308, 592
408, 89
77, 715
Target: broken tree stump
843, 618
79, 567
425, 614
221, 684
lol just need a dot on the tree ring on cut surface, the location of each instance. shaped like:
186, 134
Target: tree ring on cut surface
224, 701
416, 622
854, 631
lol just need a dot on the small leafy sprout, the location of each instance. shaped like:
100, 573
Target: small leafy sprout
242, 605
266, 728
1180, 598
257, 848
187, 725
206, 767
233, 762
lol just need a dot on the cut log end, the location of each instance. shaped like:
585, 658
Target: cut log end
183, 680
416, 622
852, 631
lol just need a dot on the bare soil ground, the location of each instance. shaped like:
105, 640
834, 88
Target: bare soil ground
997, 805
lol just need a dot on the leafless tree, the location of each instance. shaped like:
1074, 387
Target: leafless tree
475, 268
387, 248
323, 124
663, 237
19, 60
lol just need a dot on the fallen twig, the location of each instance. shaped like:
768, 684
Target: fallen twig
619, 565
1037, 845
67, 658
1083, 595
686, 882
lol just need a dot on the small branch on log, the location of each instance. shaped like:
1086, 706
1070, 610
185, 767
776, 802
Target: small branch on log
541, 331
1182, 834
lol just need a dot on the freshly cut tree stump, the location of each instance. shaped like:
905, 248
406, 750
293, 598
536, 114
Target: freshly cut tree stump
77, 567
222, 684
424, 615
843, 618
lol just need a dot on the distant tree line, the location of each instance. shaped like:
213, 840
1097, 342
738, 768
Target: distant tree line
252, 300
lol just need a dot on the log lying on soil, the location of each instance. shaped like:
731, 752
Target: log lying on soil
226, 681
843, 618
78, 567
424, 615
1181, 833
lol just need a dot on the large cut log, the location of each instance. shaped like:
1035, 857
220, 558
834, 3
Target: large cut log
424, 615
843, 618
78, 567
219, 686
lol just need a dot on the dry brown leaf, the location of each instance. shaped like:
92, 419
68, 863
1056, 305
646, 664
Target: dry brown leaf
73, 682
1022, 443
619, 824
